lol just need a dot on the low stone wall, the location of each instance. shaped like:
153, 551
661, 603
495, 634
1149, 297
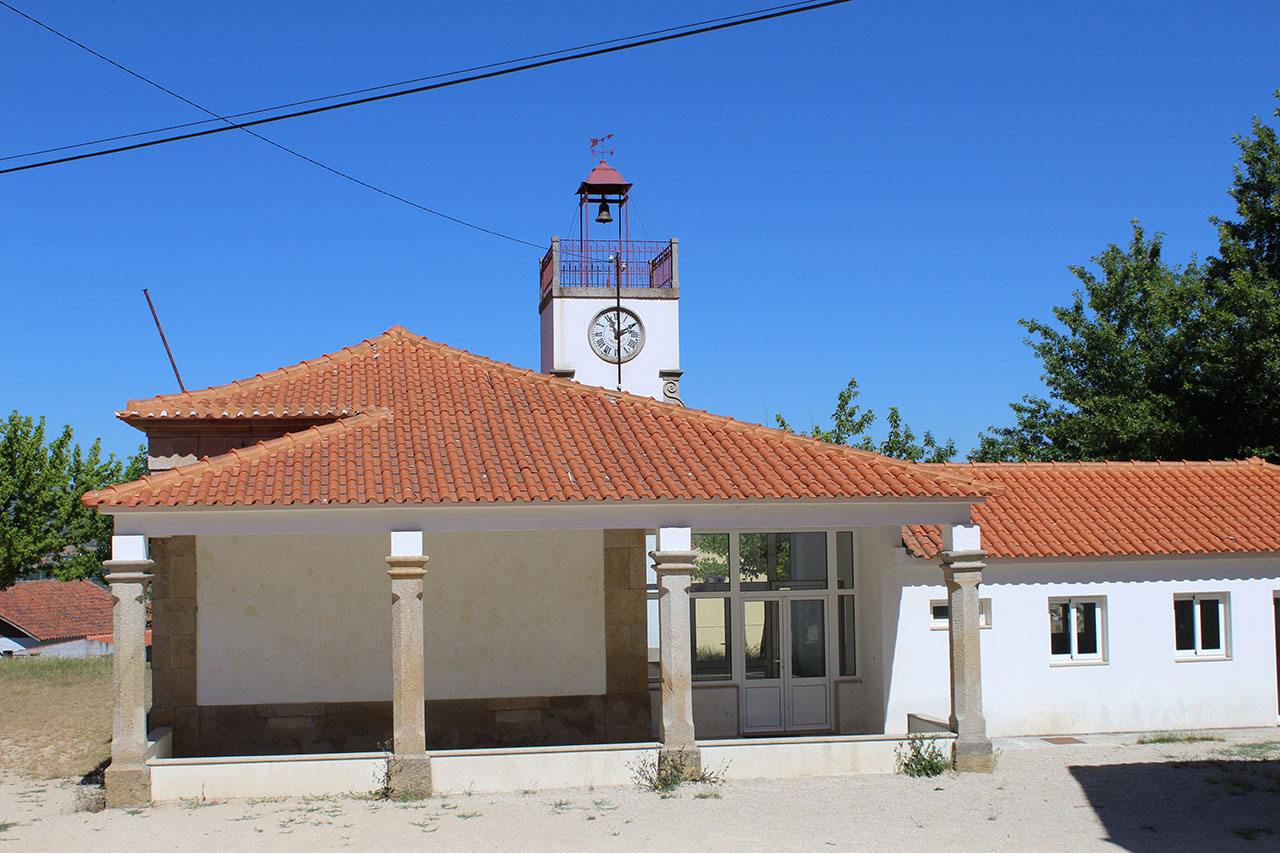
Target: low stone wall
516, 769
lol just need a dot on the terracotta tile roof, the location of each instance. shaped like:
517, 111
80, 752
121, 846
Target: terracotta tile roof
1120, 509
418, 421
52, 610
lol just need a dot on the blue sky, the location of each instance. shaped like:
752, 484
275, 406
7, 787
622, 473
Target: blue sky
878, 190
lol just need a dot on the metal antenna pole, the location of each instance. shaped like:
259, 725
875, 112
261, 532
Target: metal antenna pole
163, 339
617, 304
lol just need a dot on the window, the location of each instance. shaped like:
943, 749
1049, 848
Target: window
940, 614
848, 637
711, 566
1200, 625
783, 560
1077, 629
844, 560
709, 629
761, 627
730, 568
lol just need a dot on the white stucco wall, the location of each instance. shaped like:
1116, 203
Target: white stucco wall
298, 618
11, 644
1141, 686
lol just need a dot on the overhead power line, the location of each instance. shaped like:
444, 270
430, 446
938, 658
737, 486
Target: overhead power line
271, 142
353, 91
527, 66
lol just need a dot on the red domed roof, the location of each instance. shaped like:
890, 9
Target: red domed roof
604, 179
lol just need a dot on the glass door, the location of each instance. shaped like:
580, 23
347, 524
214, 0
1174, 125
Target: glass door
786, 684
762, 694
807, 687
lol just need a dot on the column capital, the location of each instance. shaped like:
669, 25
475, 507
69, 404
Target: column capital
957, 561
128, 571
673, 562
408, 567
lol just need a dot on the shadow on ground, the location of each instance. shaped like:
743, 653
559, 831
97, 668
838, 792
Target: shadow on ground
1187, 805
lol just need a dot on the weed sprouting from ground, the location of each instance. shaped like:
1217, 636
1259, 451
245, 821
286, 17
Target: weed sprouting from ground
663, 774
920, 756
1253, 751
198, 802
6, 826
1178, 737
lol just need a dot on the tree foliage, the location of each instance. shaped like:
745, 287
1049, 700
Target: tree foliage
850, 425
1159, 361
43, 526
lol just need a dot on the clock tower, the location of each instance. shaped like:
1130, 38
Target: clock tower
609, 305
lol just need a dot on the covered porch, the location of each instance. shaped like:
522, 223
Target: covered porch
506, 648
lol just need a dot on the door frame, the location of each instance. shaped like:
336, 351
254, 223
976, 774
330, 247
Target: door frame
831, 595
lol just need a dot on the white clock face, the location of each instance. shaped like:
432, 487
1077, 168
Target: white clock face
616, 335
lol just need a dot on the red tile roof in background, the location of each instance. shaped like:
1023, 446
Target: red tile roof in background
1088, 509
110, 636
51, 609
417, 421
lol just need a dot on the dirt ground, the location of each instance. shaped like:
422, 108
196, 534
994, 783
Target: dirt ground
1106, 793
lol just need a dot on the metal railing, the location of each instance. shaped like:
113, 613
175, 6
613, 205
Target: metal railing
571, 262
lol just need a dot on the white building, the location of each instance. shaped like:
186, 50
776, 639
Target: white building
796, 633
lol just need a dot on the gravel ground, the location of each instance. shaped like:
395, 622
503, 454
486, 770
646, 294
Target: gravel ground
1104, 793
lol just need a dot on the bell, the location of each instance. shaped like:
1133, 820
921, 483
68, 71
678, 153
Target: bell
603, 216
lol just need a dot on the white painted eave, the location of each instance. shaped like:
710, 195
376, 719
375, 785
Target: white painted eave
548, 515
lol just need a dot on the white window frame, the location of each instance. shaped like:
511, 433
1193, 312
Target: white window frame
1074, 656
984, 614
1224, 627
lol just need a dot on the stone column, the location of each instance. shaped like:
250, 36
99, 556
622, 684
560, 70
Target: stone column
127, 778
962, 571
674, 569
409, 768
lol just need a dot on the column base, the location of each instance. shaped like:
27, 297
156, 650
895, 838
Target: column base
127, 787
409, 777
688, 760
974, 756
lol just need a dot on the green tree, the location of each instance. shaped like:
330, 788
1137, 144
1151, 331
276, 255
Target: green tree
43, 526
1159, 361
850, 425
1120, 367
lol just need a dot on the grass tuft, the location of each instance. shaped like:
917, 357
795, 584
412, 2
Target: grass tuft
1253, 751
663, 774
1178, 737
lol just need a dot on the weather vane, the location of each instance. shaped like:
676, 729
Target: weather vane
597, 146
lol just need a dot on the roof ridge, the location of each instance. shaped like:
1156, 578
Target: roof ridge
238, 455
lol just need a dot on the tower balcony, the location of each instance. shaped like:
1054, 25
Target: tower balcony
602, 265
